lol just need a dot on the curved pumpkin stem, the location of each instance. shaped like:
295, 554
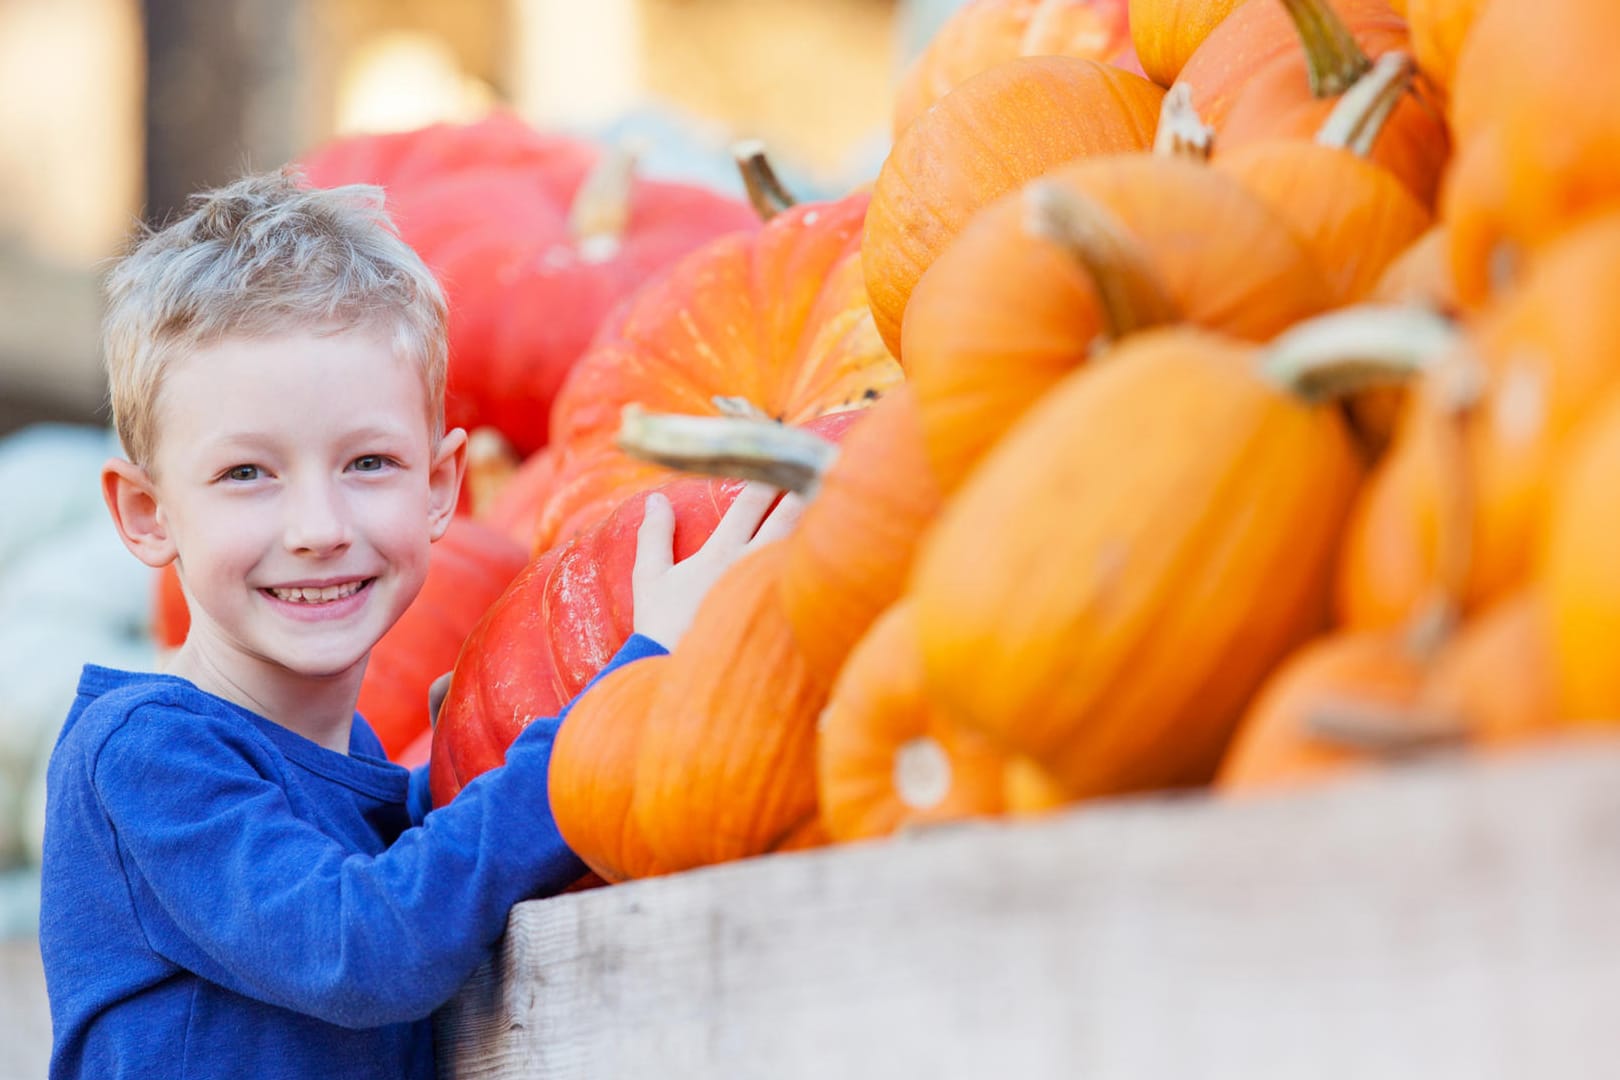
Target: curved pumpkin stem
1128, 287
735, 447
1358, 117
1333, 59
1182, 132
1357, 348
600, 212
1384, 730
766, 192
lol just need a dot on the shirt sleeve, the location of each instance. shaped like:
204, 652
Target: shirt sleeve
256, 898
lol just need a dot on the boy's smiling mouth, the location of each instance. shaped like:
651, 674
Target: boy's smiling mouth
324, 594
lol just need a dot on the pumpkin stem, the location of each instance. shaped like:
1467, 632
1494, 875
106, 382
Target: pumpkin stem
766, 191
1356, 348
739, 407
1358, 117
1182, 132
1388, 731
600, 212
1128, 288
1333, 59
741, 448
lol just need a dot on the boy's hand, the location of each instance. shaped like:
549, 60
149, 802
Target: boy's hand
667, 593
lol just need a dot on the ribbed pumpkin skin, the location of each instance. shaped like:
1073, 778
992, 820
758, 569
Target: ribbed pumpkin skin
593, 770
1274, 747
850, 554
987, 137
1166, 33
726, 768
984, 33
1354, 216
1439, 28
1003, 315
1532, 109
1551, 352
1421, 274
1581, 575
879, 706
1114, 581
778, 317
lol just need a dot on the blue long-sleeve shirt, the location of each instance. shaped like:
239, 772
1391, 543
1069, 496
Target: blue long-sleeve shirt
223, 897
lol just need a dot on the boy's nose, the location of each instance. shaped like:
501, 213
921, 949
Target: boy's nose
317, 522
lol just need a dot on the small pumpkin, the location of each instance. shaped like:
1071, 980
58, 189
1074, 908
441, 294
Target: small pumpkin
1166, 33
987, 137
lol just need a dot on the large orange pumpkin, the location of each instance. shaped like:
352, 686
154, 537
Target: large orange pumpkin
726, 769
984, 139
1015, 303
777, 318
1111, 585
1166, 33
984, 33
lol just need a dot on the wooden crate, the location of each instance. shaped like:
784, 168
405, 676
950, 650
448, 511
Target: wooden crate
1458, 919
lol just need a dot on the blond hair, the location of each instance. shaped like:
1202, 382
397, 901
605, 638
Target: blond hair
261, 256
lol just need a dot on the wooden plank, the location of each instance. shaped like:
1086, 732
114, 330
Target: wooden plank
1451, 920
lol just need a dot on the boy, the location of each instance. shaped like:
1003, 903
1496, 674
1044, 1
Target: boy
235, 881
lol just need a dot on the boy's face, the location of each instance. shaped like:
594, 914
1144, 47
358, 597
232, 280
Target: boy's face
296, 479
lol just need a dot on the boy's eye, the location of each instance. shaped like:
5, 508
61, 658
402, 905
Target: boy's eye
370, 463
242, 472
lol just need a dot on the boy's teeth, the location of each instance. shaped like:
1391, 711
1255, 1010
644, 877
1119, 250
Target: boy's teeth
318, 596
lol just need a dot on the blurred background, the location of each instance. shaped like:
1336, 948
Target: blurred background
116, 109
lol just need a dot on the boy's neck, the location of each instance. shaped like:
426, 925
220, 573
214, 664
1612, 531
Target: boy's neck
319, 709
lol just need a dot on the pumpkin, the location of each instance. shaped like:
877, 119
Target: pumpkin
886, 756
727, 771
560, 621
848, 558
1251, 81
984, 139
1304, 724
1580, 574
593, 769
1165, 33
1420, 275
1354, 216
1112, 583
1497, 673
983, 33
1546, 355
1015, 304
532, 255
467, 570
1538, 147
777, 318
1438, 29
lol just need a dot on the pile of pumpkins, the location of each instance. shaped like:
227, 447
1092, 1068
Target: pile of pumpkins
1204, 394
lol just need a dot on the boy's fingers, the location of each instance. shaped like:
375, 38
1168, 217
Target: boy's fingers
655, 541
781, 520
743, 517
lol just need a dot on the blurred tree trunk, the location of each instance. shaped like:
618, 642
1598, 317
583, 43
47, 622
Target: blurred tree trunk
229, 86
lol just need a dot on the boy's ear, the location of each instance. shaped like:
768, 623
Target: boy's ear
131, 498
444, 480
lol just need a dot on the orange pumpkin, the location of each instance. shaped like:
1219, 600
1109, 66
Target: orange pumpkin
1112, 583
1532, 109
849, 556
1251, 81
727, 770
888, 757
1010, 309
1497, 673
992, 133
984, 33
1548, 353
778, 318
1286, 739
1420, 275
1166, 33
1439, 29
593, 770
